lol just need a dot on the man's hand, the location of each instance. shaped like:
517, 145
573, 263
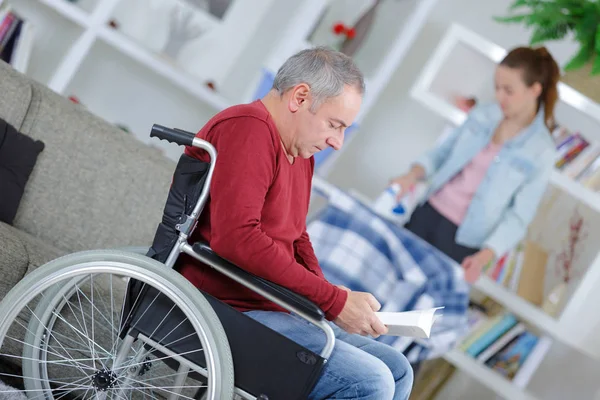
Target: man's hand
475, 263
358, 315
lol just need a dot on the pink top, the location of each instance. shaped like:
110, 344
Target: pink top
453, 199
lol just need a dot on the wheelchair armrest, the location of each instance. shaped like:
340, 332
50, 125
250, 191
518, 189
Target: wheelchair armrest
287, 299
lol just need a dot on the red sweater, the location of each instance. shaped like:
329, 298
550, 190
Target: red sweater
256, 214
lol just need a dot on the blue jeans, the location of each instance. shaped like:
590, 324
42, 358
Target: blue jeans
359, 367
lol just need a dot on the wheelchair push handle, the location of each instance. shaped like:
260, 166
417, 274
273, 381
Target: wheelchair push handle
178, 136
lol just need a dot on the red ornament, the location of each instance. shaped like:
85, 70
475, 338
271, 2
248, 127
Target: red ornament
74, 99
339, 28
351, 33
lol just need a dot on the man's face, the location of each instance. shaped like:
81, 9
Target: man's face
324, 127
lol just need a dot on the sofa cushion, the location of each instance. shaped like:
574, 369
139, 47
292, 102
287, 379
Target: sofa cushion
94, 186
21, 253
38, 252
16, 95
18, 155
13, 258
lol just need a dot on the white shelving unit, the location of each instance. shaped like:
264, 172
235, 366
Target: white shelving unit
522, 308
383, 49
550, 380
489, 378
69, 11
70, 35
163, 67
563, 374
445, 76
74, 32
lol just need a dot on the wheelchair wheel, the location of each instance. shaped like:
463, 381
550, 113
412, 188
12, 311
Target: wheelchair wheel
70, 320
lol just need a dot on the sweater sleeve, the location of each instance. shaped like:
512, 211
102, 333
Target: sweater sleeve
245, 168
305, 254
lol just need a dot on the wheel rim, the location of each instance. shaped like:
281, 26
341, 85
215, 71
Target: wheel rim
104, 377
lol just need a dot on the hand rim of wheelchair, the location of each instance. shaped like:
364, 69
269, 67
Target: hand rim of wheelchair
195, 307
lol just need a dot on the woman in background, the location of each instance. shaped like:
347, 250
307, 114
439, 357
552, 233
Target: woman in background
488, 177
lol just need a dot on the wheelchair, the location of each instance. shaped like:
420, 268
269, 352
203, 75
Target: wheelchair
124, 324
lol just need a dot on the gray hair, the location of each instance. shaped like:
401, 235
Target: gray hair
324, 70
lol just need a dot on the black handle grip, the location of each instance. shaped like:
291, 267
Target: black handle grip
181, 137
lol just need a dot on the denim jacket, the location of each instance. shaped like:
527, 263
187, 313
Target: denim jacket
507, 199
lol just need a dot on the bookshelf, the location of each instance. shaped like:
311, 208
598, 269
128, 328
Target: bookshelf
544, 377
163, 67
241, 44
33, 54
489, 378
444, 77
550, 380
522, 308
68, 10
191, 86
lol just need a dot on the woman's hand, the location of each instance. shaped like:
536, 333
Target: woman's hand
406, 183
475, 263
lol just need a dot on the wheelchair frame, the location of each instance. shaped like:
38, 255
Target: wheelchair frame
278, 295
72, 267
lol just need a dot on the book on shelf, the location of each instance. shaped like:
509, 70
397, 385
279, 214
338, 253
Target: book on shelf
509, 357
500, 342
505, 345
579, 165
417, 323
491, 333
577, 157
568, 150
532, 362
16, 39
522, 270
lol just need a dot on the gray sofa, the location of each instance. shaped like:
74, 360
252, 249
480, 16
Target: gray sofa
94, 186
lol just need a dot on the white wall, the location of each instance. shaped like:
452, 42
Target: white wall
398, 128
242, 81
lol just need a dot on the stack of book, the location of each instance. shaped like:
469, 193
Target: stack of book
522, 270
16, 39
504, 344
577, 157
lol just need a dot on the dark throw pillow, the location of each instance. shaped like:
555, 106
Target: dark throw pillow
18, 155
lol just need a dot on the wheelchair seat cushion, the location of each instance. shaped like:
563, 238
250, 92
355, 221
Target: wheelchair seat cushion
265, 362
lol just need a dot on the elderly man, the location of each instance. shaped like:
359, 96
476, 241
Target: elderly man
256, 218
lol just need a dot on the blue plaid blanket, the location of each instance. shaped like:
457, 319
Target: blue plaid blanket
365, 252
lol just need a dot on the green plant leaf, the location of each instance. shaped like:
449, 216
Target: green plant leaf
597, 42
585, 29
584, 54
512, 19
547, 33
596, 65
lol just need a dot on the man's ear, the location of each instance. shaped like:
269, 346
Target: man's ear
299, 97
